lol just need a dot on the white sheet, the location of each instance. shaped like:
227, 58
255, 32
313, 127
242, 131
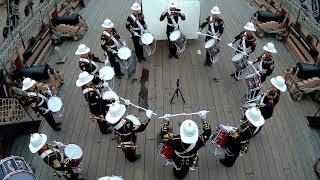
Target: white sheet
152, 10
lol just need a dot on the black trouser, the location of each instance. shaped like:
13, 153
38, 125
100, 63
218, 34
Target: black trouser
208, 60
114, 64
100, 110
230, 160
138, 47
172, 46
48, 116
263, 77
130, 153
180, 174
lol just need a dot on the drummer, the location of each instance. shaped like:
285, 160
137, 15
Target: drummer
87, 61
266, 61
97, 105
38, 103
239, 139
175, 13
249, 41
215, 22
187, 144
51, 155
272, 96
110, 46
126, 128
134, 23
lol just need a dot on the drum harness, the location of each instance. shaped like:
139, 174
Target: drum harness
174, 23
140, 27
116, 42
194, 156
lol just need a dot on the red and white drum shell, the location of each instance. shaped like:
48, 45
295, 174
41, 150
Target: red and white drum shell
238, 61
220, 138
15, 168
253, 81
74, 153
166, 151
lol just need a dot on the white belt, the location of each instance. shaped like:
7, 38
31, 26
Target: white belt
120, 124
172, 25
46, 153
124, 134
177, 153
112, 46
135, 29
41, 102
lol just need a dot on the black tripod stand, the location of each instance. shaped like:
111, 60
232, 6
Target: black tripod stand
177, 93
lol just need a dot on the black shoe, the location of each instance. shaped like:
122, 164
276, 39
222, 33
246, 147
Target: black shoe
57, 128
144, 59
108, 131
170, 56
121, 74
138, 156
233, 75
58, 124
222, 161
176, 56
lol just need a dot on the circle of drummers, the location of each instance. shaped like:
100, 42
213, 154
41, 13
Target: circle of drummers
111, 113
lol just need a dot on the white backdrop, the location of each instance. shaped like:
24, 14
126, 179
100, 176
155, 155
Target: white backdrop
152, 10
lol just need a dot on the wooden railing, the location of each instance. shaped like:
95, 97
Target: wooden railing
24, 31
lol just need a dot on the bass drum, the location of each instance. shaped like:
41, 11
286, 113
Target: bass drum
15, 168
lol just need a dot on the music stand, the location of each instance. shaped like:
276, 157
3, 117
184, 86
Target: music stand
177, 93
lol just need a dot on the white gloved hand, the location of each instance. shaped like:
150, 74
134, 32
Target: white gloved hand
167, 117
203, 114
149, 113
127, 102
230, 44
136, 34
113, 51
59, 144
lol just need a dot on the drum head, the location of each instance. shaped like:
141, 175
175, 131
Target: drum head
175, 35
209, 43
237, 57
133, 119
124, 53
147, 38
110, 95
21, 175
54, 104
106, 73
73, 151
227, 128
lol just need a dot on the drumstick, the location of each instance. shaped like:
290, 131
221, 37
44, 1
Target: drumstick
200, 33
237, 50
181, 114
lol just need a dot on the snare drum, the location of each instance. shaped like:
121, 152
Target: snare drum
220, 138
124, 54
74, 153
175, 35
253, 81
110, 95
166, 152
55, 105
15, 168
238, 61
147, 38
106, 73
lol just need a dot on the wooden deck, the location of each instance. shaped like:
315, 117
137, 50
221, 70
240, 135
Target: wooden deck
286, 148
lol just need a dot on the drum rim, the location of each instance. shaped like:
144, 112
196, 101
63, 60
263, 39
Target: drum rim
209, 41
237, 55
147, 38
17, 172
112, 92
65, 152
103, 74
53, 106
173, 35
124, 53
